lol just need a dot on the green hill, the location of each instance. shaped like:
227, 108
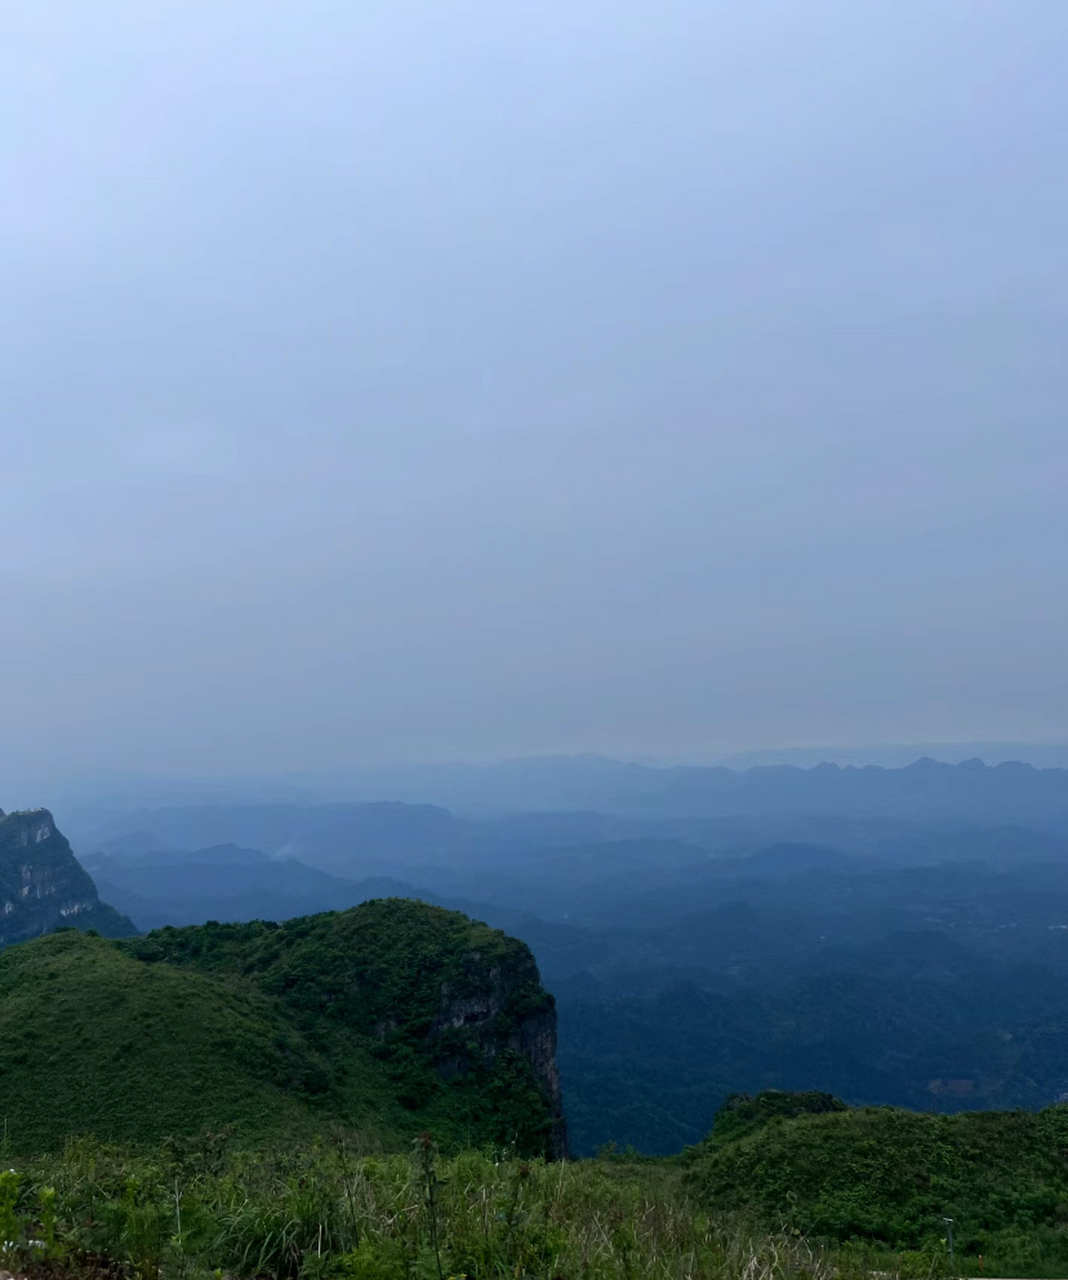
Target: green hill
888, 1178
392, 1018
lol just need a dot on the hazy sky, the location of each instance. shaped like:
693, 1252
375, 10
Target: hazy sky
404, 380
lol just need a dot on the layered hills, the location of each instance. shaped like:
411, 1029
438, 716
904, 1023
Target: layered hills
883, 961
893, 936
924, 790
159, 887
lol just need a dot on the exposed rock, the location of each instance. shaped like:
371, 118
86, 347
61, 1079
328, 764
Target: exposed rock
42, 885
454, 1013
537, 1043
531, 1034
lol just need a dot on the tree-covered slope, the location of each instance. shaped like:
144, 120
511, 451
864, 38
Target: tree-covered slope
390, 1018
889, 1177
93, 1042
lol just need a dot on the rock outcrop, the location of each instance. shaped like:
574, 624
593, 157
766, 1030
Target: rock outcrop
509, 1013
537, 1043
42, 885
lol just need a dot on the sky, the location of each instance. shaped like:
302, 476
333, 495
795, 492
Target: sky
404, 381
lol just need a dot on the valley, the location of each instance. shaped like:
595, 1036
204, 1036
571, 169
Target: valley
881, 958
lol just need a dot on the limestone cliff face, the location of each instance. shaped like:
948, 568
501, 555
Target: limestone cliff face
537, 1042
508, 1013
42, 886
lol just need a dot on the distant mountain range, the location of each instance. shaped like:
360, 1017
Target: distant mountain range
925, 790
812, 937
225, 883
1043, 755
556, 783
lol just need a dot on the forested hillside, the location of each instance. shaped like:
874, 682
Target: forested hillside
391, 1017
887, 1178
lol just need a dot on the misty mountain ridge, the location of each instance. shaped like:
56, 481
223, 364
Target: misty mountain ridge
535, 784
432, 817
226, 883
1043, 755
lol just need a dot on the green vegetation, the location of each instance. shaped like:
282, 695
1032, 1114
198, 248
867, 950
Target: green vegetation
793, 1187
742, 1115
390, 1018
93, 1042
334, 1211
370, 1095
882, 1178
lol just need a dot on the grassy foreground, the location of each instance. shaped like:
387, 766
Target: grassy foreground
194, 1209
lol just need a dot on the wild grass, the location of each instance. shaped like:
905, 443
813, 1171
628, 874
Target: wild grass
335, 1211
874, 1177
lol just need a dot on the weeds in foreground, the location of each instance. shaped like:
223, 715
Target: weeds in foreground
325, 1212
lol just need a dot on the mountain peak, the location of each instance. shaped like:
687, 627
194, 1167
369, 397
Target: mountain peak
42, 886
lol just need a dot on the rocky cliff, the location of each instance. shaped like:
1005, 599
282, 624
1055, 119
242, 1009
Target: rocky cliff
500, 1010
385, 1021
42, 886
452, 1013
